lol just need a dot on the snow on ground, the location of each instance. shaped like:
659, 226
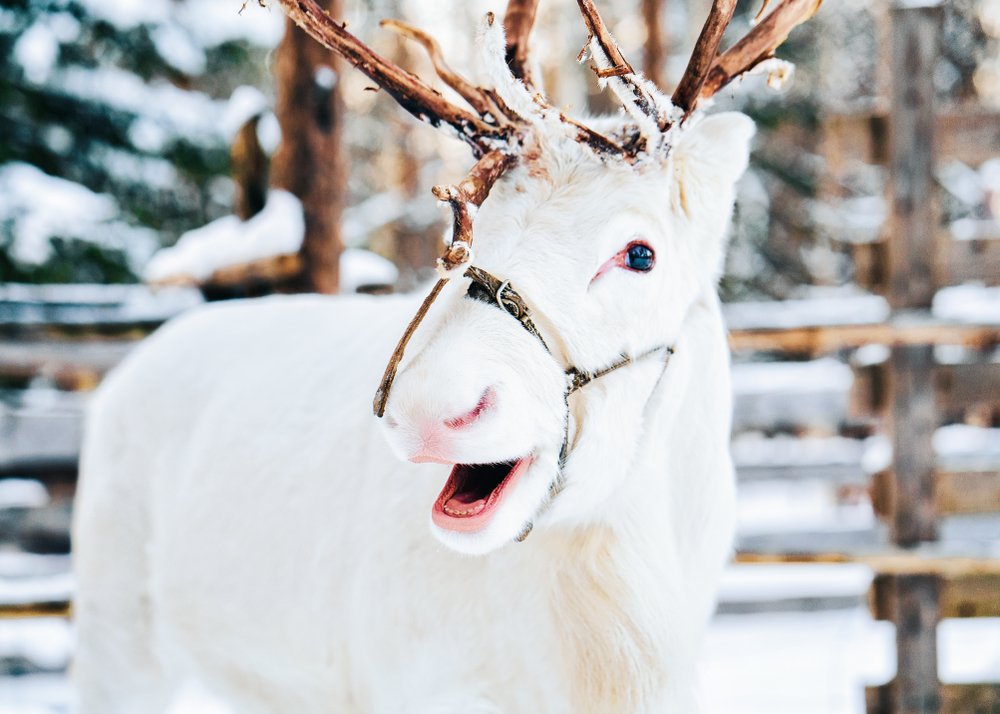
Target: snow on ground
795, 662
765, 582
769, 663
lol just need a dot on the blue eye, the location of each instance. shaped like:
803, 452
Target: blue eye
639, 257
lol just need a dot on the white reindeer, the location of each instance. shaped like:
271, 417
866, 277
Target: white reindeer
240, 519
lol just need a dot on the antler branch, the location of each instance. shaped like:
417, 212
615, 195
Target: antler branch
598, 143
517, 24
477, 98
758, 44
706, 50
618, 66
473, 189
408, 90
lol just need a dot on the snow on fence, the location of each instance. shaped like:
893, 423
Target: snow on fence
814, 437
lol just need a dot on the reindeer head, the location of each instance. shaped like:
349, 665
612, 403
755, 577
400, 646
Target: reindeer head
592, 243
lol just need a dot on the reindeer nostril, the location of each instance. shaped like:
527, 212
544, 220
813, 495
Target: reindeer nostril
485, 403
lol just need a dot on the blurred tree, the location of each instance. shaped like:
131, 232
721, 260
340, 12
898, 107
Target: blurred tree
655, 54
125, 99
308, 162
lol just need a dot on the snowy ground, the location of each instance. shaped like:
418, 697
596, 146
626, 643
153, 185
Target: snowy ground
793, 662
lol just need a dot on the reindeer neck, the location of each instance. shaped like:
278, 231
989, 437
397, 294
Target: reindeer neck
667, 535
686, 427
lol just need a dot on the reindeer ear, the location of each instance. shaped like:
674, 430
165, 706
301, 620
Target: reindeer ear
709, 158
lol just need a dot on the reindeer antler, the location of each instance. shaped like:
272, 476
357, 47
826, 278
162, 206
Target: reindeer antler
706, 49
759, 44
477, 97
708, 71
473, 189
408, 90
624, 81
492, 125
496, 131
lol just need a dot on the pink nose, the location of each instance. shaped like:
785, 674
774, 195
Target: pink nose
436, 437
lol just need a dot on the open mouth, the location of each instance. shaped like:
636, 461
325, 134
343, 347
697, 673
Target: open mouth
474, 492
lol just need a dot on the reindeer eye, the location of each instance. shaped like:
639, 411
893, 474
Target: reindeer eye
639, 257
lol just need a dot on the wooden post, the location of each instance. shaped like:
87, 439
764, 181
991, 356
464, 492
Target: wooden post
308, 162
912, 602
911, 246
914, 419
913, 274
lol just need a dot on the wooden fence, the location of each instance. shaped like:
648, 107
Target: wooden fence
920, 580
920, 577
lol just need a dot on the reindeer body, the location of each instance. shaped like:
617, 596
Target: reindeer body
241, 520
286, 561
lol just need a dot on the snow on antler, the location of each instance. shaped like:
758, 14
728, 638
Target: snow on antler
409, 91
503, 113
641, 99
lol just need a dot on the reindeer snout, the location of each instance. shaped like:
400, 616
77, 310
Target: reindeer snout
427, 431
486, 402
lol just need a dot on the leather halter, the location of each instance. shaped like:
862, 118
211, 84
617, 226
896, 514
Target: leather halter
490, 289
487, 288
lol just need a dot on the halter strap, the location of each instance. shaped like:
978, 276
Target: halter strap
487, 288
493, 291
578, 379
490, 289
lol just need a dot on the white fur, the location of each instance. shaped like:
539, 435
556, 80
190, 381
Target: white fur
241, 519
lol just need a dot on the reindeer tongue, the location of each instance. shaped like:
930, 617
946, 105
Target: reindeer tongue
471, 486
472, 493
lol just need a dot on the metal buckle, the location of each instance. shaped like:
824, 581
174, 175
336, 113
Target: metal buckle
499, 295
